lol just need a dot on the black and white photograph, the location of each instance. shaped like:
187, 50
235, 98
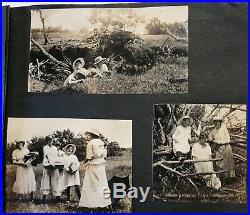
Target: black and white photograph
64, 165
140, 50
200, 153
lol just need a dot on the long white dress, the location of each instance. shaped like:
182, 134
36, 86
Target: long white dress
224, 150
25, 177
95, 179
200, 152
50, 179
61, 187
181, 138
71, 179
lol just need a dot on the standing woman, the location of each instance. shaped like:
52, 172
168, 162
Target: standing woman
181, 137
221, 139
50, 179
25, 177
95, 179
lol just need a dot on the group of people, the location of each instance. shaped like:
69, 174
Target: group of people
80, 73
61, 172
189, 140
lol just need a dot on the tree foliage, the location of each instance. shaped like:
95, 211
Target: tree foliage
115, 19
64, 137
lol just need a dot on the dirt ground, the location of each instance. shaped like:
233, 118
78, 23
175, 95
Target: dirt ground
119, 166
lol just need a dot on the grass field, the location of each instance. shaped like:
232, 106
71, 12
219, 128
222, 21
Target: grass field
119, 166
169, 75
155, 81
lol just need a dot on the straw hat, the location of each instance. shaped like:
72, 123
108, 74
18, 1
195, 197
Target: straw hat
186, 117
93, 131
77, 60
99, 59
217, 118
70, 145
20, 142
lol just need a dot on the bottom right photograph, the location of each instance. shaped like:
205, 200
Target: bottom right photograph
200, 153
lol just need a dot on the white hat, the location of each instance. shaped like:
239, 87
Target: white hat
78, 59
70, 145
217, 118
186, 117
99, 59
93, 131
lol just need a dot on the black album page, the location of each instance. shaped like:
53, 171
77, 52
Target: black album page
137, 107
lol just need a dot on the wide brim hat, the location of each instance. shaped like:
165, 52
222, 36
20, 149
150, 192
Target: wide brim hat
78, 59
186, 117
93, 131
217, 118
17, 142
70, 145
99, 59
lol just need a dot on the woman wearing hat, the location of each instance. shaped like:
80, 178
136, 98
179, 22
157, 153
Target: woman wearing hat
71, 172
79, 73
181, 137
221, 138
25, 177
101, 66
95, 179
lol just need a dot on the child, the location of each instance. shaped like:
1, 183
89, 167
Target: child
202, 151
25, 177
79, 73
71, 172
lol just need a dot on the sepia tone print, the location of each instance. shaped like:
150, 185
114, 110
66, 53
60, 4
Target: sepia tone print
109, 50
64, 165
200, 153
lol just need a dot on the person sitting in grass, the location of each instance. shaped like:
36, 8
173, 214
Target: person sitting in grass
202, 151
71, 172
79, 74
25, 177
101, 67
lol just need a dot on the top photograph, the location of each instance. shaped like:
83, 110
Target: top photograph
109, 50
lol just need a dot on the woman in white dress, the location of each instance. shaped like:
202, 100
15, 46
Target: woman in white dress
79, 74
25, 177
221, 140
202, 151
71, 171
95, 180
181, 137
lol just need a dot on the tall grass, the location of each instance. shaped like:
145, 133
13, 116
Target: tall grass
119, 166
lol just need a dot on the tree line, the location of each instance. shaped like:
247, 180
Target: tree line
64, 137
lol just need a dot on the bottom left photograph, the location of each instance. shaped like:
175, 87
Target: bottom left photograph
67, 165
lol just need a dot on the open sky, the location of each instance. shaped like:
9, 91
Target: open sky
26, 128
77, 18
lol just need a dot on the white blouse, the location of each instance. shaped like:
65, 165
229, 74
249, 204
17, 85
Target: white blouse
50, 155
96, 151
18, 155
181, 138
220, 136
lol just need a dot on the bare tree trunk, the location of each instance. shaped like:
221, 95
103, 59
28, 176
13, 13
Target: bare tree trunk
45, 36
53, 59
